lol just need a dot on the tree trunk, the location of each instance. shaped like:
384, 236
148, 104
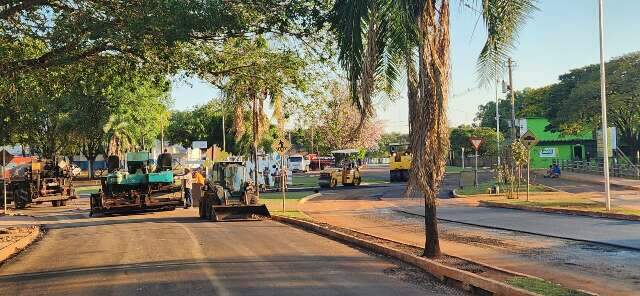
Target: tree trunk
432, 242
430, 135
91, 162
256, 127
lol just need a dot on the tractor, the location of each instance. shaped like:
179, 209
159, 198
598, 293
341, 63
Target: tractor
139, 187
346, 173
230, 195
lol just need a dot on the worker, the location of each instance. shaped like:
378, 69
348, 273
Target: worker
198, 182
265, 175
188, 185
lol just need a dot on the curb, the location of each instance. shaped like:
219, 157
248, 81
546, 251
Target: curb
308, 198
562, 211
451, 276
16, 247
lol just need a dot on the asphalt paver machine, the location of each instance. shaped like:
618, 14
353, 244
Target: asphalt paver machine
230, 195
139, 187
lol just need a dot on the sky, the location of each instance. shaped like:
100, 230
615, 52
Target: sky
562, 35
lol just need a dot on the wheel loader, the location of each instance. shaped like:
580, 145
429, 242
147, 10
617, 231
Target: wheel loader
229, 195
346, 173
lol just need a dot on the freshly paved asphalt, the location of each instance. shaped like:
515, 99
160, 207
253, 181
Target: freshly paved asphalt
607, 231
173, 253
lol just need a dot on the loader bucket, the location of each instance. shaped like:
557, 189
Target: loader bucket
239, 212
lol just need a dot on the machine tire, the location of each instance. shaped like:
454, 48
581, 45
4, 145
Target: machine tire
18, 200
392, 176
202, 207
55, 203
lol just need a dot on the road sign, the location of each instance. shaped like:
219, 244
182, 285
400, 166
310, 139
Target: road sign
529, 140
475, 142
281, 145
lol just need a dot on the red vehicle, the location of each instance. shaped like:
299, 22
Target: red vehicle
318, 163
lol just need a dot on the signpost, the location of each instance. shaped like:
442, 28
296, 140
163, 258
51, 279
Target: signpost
6, 157
476, 142
282, 145
528, 140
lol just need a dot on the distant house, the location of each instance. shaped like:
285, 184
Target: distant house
553, 146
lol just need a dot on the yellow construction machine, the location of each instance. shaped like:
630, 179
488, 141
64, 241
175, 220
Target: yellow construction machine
399, 162
346, 170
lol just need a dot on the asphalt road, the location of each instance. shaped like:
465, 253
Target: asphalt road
173, 253
607, 231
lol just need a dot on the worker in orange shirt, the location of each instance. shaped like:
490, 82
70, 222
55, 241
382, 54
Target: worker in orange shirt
198, 182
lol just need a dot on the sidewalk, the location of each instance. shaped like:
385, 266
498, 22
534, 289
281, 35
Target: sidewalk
628, 184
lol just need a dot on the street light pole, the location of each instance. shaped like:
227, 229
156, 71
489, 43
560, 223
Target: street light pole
497, 123
603, 101
513, 102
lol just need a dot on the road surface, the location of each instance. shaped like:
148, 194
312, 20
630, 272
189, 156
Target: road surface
599, 230
595, 267
173, 253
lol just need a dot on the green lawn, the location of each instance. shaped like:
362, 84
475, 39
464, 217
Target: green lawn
483, 188
375, 179
542, 287
304, 181
273, 200
87, 190
579, 204
453, 169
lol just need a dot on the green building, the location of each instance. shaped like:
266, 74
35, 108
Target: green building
555, 146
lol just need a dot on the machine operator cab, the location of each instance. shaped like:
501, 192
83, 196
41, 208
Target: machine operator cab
346, 171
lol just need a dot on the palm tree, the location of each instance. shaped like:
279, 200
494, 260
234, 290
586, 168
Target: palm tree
119, 139
373, 35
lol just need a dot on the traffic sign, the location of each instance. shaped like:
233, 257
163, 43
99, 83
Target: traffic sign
475, 142
281, 145
529, 140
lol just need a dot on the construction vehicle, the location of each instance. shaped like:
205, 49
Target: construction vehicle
347, 172
139, 187
399, 162
230, 195
38, 181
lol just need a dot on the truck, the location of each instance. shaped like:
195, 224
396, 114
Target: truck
37, 181
298, 163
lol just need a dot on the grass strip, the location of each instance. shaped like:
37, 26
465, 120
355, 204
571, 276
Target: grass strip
542, 287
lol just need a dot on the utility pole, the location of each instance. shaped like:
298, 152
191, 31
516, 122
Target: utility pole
513, 101
603, 101
497, 123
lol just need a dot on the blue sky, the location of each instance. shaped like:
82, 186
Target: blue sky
562, 35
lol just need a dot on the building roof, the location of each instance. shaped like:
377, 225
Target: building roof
538, 125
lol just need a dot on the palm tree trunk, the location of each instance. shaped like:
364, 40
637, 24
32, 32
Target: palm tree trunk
430, 139
256, 127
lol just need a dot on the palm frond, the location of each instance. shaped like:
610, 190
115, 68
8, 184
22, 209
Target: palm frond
503, 20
